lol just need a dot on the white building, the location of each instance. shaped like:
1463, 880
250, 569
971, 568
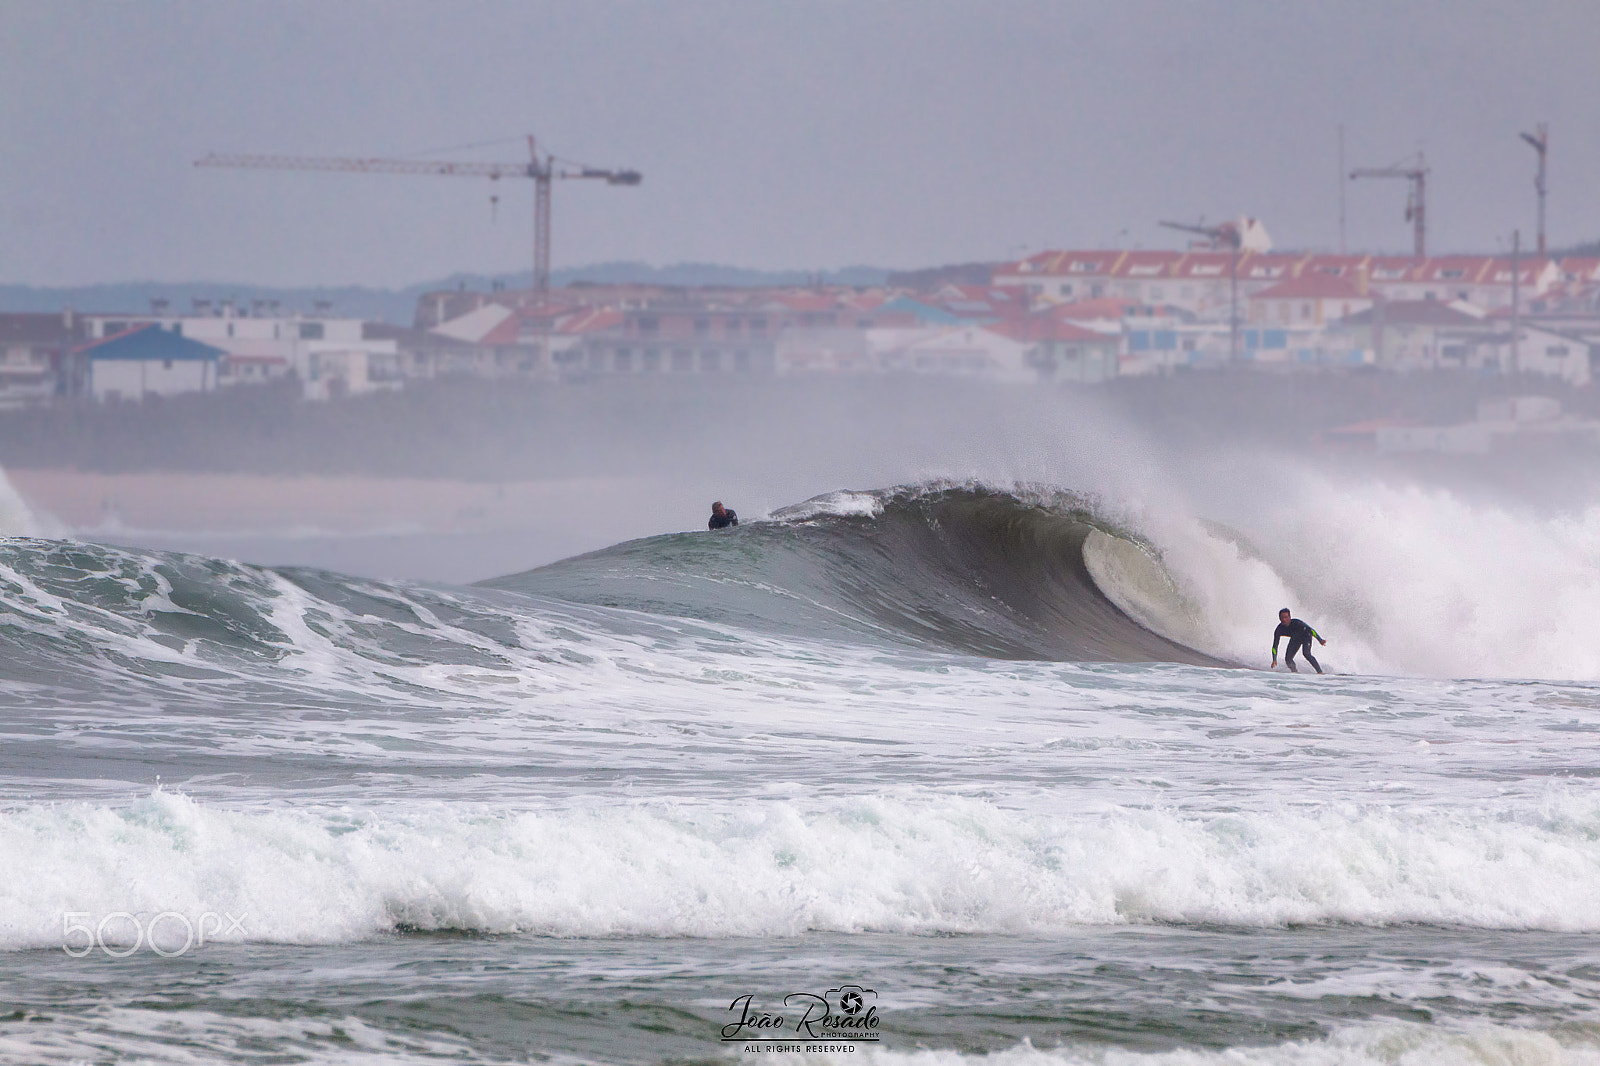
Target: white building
959, 351
1202, 282
329, 355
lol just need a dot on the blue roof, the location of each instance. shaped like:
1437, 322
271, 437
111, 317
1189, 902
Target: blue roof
925, 312
149, 343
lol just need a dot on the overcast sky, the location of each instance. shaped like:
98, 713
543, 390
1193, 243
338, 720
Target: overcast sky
771, 134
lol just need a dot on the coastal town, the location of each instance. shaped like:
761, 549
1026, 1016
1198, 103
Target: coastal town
1075, 316
1070, 317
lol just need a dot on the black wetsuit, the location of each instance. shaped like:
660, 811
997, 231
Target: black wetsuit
1300, 637
724, 520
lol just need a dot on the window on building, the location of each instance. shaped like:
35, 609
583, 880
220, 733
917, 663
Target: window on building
702, 325
309, 331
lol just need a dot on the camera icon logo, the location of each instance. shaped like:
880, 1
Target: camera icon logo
852, 1001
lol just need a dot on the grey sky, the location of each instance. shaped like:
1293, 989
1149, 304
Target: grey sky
803, 135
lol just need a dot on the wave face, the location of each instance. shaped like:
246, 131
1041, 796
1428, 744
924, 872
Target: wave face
967, 569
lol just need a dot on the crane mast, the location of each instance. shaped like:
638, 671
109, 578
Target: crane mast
1416, 203
1226, 235
543, 170
1540, 142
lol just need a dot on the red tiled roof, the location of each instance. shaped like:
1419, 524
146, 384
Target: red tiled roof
1048, 326
1276, 266
1313, 287
1460, 269
1333, 266
1417, 313
1207, 266
1581, 267
1100, 307
1143, 264
591, 320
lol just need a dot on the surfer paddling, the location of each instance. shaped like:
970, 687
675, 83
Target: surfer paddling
1300, 637
721, 517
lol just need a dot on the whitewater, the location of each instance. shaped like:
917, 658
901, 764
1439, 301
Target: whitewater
1007, 755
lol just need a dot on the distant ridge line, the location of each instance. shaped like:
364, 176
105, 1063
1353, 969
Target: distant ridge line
399, 304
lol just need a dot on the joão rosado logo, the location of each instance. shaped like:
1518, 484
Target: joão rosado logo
847, 1014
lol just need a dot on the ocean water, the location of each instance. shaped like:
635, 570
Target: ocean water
1003, 762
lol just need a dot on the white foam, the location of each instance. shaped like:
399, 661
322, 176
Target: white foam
1401, 579
910, 863
842, 504
1390, 1044
143, 1036
17, 519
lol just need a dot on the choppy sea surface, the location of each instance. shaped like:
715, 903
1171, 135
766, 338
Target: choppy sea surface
990, 775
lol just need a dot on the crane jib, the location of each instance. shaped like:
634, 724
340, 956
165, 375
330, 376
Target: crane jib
541, 171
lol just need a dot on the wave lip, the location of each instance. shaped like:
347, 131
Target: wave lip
905, 864
967, 568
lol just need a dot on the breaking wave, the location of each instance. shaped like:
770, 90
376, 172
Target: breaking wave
912, 863
970, 569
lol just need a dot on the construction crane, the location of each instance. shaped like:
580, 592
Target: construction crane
1541, 144
1416, 202
543, 169
1226, 235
